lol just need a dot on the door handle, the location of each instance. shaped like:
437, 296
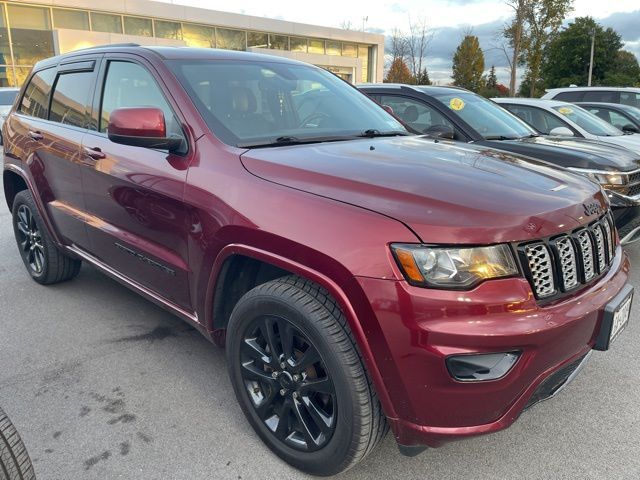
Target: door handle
37, 136
94, 152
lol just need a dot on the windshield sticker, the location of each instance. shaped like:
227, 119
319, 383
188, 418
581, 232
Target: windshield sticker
565, 110
456, 104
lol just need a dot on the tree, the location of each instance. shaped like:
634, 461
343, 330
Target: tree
492, 79
544, 18
468, 64
491, 86
517, 36
417, 43
398, 72
423, 77
566, 59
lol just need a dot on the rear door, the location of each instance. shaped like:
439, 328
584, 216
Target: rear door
52, 125
133, 194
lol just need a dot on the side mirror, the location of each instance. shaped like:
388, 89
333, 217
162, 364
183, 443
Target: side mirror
141, 127
561, 132
629, 128
440, 131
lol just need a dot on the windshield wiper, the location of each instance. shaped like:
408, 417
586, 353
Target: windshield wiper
291, 140
499, 137
373, 133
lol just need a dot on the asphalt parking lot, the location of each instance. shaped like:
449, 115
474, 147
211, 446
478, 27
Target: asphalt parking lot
102, 384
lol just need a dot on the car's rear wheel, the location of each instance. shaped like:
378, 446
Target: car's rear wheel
15, 463
299, 378
44, 261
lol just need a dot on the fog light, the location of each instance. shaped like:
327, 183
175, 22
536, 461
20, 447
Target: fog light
481, 367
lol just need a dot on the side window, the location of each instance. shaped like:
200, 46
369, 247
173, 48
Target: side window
416, 114
539, 119
35, 100
600, 112
618, 120
569, 96
131, 85
606, 96
630, 98
69, 104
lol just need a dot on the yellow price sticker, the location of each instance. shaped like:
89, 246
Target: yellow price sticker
565, 110
456, 104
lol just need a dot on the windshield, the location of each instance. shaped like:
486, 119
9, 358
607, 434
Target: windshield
633, 112
250, 104
588, 121
490, 120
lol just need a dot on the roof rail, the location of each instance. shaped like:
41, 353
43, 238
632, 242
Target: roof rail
129, 44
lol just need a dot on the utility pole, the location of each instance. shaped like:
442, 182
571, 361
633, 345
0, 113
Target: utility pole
593, 42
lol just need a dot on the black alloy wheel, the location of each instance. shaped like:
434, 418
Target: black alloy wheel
30, 239
288, 383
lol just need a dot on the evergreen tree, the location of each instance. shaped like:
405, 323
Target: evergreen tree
468, 64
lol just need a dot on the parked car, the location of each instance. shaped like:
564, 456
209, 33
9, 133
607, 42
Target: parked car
7, 97
623, 95
623, 117
15, 463
360, 277
552, 117
458, 114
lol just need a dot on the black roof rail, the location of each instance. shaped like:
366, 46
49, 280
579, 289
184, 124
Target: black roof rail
129, 44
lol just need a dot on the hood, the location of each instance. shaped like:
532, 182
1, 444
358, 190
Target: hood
444, 192
572, 152
632, 142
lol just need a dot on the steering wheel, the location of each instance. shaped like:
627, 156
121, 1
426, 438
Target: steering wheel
313, 116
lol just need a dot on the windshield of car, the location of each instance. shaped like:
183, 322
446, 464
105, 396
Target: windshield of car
588, 121
633, 112
489, 119
258, 104
7, 97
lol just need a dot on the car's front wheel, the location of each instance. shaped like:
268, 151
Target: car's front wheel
299, 378
15, 463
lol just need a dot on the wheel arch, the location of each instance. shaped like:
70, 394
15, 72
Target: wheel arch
265, 266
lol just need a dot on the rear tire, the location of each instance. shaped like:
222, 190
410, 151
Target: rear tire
15, 463
320, 430
44, 261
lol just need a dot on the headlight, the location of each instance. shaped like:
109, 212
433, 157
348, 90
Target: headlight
603, 177
454, 268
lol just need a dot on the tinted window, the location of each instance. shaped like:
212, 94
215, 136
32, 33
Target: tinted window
418, 115
254, 103
605, 96
35, 101
70, 98
131, 85
630, 98
568, 96
588, 121
618, 120
7, 97
539, 119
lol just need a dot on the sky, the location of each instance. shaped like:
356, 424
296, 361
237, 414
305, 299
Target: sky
449, 20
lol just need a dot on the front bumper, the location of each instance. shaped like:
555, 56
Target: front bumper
422, 327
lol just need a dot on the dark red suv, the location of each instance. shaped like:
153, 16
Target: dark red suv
360, 277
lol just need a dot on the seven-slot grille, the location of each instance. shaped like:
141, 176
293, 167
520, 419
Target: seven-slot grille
564, 262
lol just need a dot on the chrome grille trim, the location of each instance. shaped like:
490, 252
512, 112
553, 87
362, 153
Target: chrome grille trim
609, 239
541, 269
586, 252
567, 259
600, 247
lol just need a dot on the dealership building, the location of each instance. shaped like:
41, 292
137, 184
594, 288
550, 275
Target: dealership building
33, 30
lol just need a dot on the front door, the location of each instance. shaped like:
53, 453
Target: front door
134, 195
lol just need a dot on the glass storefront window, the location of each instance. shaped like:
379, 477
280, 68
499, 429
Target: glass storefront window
363, 53
6, 76
168, 29
74, 19
231, 39
31, 46
106, 22
278, 42
258, 40
138, 26
5, 52
316, 46
35, 18
198, 36
21, 74
349, 50
298, 44
334, 48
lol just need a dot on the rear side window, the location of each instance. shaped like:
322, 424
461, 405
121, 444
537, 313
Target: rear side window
630, 98
35, 101
569, 96
70, 98
606, 96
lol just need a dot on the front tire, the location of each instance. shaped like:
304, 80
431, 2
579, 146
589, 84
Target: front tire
44, 261
15, 463
299, 378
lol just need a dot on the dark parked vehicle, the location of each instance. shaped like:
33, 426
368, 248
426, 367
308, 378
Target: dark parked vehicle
623, 117
454, 113
361, 278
